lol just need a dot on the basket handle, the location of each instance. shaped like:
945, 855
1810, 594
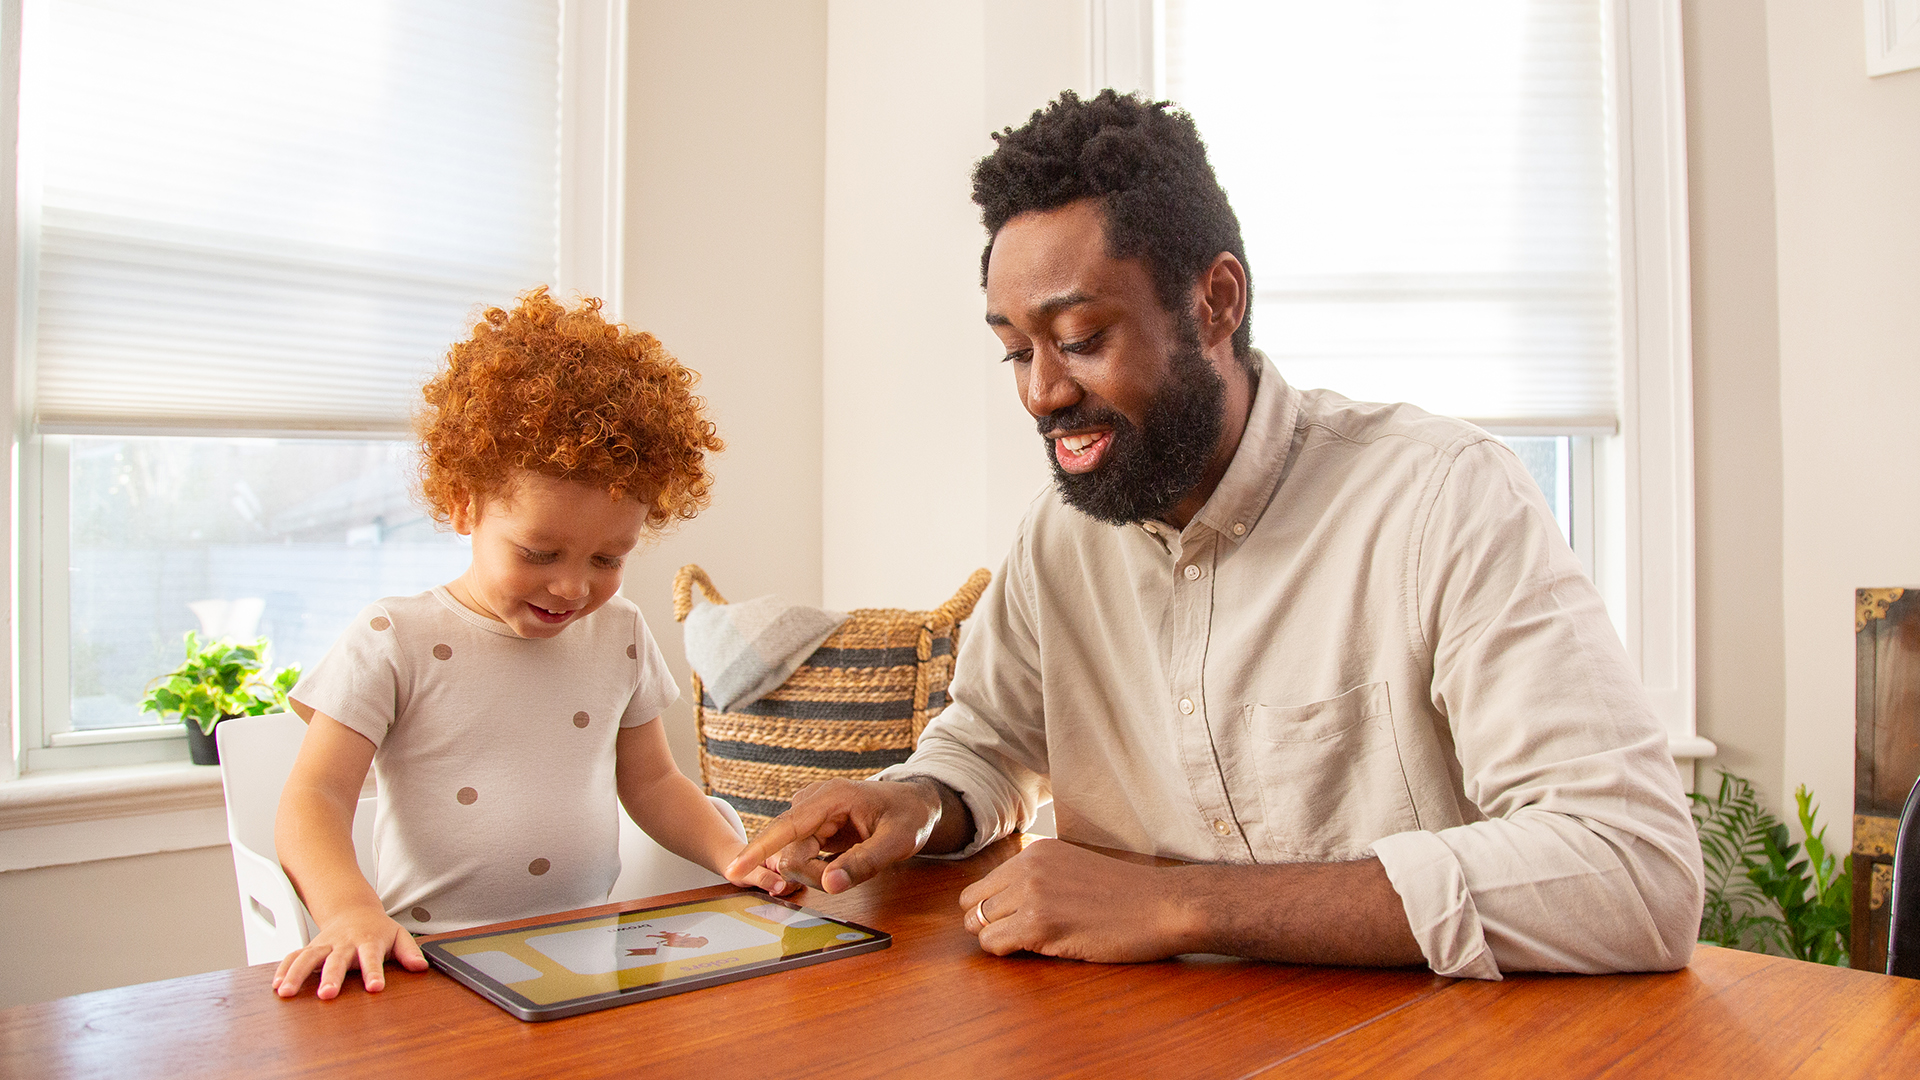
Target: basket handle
961, 606
683, 590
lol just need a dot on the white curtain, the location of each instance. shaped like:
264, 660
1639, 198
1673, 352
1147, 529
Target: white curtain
1426, 194
246, 214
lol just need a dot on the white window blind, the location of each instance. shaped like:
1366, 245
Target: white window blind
1426, 196
247, 215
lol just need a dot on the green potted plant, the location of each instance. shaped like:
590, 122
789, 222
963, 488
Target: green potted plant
219, 680
1762, 895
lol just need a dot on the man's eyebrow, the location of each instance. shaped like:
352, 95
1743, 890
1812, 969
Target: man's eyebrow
1052, 305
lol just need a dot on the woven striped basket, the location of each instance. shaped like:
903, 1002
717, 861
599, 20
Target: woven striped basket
856, 706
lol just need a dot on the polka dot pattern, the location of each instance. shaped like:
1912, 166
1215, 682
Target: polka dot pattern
580, 719
443, 652
538, 867
467, 796
421, 914
633, 652
380, 622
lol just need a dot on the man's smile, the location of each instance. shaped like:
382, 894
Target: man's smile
1081, 453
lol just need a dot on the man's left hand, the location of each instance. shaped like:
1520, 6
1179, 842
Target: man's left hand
1060, 900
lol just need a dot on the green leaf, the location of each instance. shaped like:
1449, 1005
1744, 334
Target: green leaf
1732, 824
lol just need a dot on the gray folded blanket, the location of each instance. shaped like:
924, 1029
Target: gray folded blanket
744, 651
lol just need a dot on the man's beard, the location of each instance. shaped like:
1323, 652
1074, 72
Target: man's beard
1148, 469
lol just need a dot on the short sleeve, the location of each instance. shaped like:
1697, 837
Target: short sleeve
655, 689
359, 682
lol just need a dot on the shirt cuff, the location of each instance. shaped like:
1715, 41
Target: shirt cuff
987, 815
1433, 891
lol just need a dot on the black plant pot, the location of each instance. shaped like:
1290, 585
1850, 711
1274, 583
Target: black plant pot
201, 745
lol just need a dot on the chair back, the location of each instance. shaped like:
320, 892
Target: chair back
1903, 929
256, 757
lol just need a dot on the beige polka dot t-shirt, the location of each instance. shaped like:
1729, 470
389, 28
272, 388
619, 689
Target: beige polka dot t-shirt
494, 753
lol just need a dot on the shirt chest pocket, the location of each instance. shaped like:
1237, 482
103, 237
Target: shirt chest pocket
1329, 773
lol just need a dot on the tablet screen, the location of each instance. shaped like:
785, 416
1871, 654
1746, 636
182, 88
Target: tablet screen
573, 965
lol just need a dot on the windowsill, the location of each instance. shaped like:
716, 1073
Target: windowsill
83, 815
1688, 748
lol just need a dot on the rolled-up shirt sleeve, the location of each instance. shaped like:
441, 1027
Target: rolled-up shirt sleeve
1587, 860
990, 744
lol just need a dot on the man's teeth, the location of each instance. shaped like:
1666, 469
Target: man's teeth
1076, 443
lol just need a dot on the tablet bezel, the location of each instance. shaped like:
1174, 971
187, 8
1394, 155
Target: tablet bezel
523, 1008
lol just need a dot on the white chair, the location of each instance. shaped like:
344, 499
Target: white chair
256, 756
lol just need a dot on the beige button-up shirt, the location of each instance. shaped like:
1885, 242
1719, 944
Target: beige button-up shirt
1372, 639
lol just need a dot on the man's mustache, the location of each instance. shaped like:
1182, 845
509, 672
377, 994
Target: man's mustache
1082, 415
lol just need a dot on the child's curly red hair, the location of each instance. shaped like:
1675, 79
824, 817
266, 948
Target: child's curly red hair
566, 394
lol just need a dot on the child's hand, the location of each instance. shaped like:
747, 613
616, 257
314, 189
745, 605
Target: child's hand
763, 876
360, 940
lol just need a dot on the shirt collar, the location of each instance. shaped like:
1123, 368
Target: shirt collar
1244, 492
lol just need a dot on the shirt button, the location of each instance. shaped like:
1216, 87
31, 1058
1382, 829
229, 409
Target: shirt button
1222, 827
1192, 572
1239, 528
1186, 706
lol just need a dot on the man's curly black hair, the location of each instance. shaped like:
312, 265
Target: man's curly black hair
1146, 164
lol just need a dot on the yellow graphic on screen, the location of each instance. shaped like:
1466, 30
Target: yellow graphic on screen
647, 948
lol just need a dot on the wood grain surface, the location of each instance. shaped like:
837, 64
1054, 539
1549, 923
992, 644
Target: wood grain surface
934, 1005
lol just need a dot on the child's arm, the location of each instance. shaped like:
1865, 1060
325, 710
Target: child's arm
672, 810
314, 836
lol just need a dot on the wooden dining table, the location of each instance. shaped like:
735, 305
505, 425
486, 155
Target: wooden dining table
934, 1005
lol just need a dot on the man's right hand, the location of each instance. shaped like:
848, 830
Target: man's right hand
841, 832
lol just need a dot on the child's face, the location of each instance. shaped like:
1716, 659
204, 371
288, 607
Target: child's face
546, 553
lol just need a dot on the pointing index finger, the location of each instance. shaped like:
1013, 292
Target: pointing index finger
798, 823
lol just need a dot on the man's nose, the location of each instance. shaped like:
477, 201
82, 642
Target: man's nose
1048, 388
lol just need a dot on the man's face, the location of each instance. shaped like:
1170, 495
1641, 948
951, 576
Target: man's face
1130, 407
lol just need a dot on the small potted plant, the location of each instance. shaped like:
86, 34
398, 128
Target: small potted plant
220, 679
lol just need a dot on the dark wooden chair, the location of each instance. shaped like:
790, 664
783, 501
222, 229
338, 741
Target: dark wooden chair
1903, 933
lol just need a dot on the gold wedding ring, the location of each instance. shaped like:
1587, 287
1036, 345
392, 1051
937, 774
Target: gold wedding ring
980, 913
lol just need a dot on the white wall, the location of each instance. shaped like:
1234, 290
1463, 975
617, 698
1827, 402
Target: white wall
97, 925
725, 166
928, 461
1740, 654
1847, 170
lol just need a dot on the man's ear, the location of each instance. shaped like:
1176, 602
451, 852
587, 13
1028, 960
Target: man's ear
1220, 299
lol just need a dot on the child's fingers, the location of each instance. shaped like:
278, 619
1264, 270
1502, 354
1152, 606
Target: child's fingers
306, 963
280, 973
407, 952
373, 966
764, 878
333, 973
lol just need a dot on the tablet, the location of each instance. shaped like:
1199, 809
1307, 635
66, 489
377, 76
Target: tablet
576, 965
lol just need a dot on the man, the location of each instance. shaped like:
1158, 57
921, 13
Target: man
1335, 655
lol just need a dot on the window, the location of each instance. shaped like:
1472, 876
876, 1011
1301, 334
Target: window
248, 232
1481, 209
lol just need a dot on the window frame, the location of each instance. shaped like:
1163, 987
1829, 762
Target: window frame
593, 57
1633, 488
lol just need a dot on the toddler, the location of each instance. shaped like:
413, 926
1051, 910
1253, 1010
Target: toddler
502, 711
